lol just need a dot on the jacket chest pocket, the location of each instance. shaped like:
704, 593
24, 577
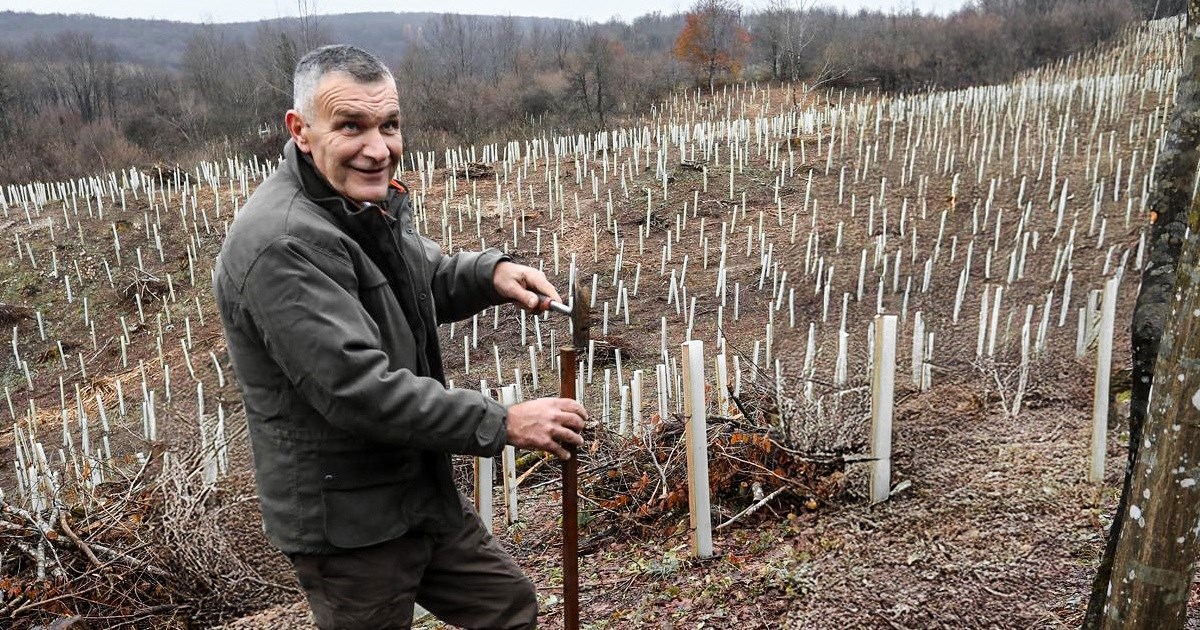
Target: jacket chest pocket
370, 281
395, 331
412, 249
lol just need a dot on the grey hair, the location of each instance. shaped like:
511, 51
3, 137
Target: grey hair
359, 64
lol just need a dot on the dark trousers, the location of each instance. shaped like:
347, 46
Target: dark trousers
464, 579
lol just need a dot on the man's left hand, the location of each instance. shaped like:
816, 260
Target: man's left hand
524, 286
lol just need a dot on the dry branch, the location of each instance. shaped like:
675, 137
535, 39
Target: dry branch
134, 557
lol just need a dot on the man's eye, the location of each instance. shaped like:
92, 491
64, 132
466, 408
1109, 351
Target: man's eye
350, 126
392, 126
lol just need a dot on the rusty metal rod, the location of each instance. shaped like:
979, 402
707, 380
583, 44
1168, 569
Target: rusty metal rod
570, 504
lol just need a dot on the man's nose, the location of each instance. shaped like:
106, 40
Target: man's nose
374, 146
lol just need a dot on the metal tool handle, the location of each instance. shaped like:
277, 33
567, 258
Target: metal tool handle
557, 307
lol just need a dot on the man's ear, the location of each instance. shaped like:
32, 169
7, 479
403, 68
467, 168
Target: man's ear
295, 125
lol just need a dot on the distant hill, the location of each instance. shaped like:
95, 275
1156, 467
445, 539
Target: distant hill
160, 43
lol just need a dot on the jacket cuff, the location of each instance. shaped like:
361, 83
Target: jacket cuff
485, 268
492, 433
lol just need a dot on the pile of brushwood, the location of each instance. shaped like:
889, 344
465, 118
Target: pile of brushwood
144, 549
769, 458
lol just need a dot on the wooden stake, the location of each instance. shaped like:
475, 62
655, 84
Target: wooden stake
697, 448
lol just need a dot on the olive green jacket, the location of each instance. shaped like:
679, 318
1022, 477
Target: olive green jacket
330, 314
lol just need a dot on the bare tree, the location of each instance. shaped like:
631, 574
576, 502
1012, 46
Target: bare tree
309, 32
275, 54
1155, 9
593, 71
160, 112
15, 101
214, 69
560, 44
453, 40
1144, 577
785, 32
507, 41
542, 49
277, 47
80, 73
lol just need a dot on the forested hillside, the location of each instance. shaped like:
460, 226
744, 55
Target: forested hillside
81, 93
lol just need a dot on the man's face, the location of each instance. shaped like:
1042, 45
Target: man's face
353, 135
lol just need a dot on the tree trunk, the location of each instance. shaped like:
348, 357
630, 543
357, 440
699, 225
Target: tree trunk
1153, 559
1169, 205
1157, 549
600, 93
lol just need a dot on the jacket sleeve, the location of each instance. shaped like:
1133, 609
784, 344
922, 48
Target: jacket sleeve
462, 283
304, 301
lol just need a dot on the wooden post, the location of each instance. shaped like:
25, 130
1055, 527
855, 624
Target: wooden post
722, 385
1108, 310
697, 448
883, 385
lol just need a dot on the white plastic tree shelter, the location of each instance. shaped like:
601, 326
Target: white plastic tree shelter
697, 448
883, 386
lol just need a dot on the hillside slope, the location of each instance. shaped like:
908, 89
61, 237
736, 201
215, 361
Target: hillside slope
774, 225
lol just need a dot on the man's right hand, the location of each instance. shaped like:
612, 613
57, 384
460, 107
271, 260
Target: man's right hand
547, 424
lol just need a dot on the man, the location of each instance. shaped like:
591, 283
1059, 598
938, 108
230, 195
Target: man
330, 302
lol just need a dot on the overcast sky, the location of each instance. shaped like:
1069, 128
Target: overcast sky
250, 10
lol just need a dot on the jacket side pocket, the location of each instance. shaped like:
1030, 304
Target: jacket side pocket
364, 494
